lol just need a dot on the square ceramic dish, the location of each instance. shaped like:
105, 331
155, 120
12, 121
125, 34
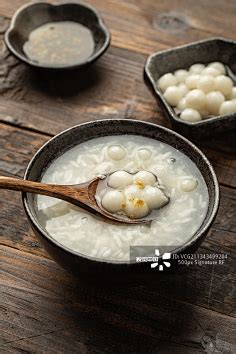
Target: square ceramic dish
206, 51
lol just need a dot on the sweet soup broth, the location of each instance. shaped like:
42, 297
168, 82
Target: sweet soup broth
60, 43
80, 231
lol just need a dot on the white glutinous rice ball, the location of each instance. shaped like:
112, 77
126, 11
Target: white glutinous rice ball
188, 184
182, 104
116, 152
136, 208
224, 84
113, 201
233, 94
210, 71
104, 168
204, 113
196, 68
218, 66
144, 153
206, 83
228, 107
190, 115
181, 75
144, 178
214, 100
191, 81
120, 179
184, 89
133, 191
196, 99
154, 197
166, 81
172, 95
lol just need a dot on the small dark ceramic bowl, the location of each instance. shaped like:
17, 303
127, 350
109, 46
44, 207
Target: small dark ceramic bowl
33, 15
206, 51
76, 262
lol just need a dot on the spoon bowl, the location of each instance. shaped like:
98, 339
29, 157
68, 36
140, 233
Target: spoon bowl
152, 215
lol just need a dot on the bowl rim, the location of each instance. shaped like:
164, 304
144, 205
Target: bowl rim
196, 237
159, 94
26, 60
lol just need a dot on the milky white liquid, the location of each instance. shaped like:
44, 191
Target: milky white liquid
175, 224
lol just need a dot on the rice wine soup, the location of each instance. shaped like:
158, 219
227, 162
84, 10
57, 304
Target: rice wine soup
175, 223
59, 43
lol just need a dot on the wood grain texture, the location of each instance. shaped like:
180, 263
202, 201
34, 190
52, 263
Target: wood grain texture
43, 308
142, 26
60, 314
112, 88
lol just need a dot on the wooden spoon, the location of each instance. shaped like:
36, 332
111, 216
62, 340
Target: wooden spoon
82, 195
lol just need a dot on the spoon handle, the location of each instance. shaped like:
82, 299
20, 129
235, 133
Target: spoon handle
67, 193
82, 195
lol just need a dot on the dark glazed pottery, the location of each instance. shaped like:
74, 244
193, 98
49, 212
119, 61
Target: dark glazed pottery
206, 51
84, 265
33, 15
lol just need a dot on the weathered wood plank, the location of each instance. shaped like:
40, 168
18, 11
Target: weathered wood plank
51, 104
145, 26
221, 154
68, 99
72, 310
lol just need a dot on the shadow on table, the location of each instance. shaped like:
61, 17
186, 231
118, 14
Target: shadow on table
224, 143
64, 83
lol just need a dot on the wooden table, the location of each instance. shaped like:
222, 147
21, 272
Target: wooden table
43, 308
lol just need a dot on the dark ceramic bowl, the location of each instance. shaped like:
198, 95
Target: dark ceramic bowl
206, 51
79, 263
33, 15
